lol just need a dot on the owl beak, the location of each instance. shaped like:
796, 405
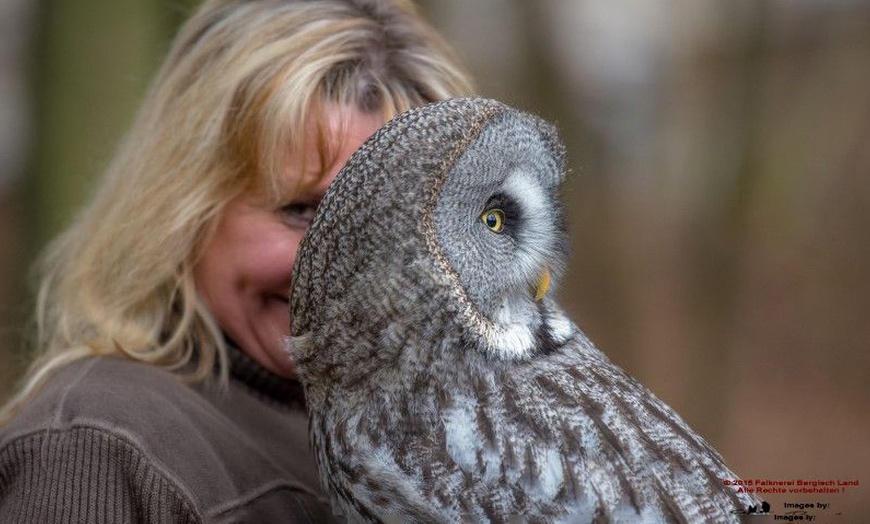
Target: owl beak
542, 285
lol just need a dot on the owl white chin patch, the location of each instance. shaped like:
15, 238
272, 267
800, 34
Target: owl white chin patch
511, 342
561, 328
511, 333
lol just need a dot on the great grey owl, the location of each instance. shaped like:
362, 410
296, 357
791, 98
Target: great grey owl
443, 382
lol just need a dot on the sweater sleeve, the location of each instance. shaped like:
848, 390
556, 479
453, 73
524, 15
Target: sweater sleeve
83, 474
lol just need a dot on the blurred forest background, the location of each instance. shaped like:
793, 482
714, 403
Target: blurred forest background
719, 202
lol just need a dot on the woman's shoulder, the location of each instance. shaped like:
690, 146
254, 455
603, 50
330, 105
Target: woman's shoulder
138, 418
112, 393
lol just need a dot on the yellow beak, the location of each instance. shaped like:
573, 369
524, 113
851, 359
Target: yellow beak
542, 285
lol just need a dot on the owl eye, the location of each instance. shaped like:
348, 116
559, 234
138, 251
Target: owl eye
494, 219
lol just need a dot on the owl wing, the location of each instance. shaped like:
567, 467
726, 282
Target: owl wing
585, 439
563, 437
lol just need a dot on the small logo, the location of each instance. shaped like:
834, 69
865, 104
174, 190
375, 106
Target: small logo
755, 510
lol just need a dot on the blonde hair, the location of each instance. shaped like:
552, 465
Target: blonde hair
235, 100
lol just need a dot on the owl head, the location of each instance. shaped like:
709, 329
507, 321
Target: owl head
445, 228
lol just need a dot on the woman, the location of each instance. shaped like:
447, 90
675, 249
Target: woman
162, 393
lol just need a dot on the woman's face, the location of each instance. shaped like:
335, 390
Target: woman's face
244, 274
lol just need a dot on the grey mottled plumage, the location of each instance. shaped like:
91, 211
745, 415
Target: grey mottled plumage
439, 388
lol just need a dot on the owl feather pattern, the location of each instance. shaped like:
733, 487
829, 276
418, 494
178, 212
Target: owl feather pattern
443, 381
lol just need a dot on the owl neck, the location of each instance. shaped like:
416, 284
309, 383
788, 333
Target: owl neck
409, 352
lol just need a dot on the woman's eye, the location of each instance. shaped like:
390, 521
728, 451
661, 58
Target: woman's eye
493, 219
298, 213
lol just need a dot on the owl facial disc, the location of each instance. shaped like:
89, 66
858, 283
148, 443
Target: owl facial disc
499, 233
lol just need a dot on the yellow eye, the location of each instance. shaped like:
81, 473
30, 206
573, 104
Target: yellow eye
494, 219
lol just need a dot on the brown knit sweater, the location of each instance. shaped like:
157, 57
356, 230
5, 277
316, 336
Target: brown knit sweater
110, 440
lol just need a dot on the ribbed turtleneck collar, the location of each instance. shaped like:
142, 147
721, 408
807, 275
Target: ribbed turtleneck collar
244, 369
